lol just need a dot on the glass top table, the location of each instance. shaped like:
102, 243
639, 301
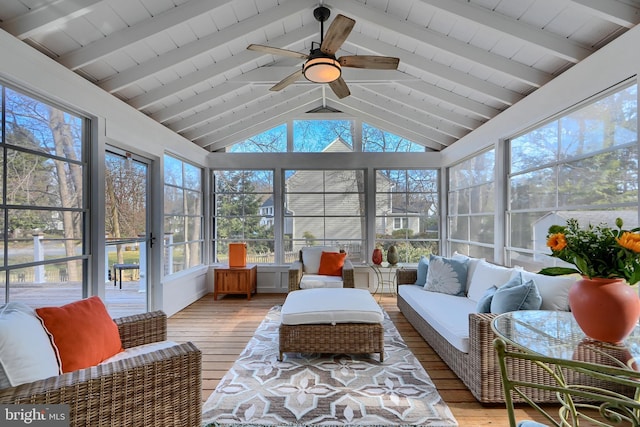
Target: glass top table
556, 334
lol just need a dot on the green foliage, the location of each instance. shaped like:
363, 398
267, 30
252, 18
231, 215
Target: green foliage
237, 212
309, 238
596, 251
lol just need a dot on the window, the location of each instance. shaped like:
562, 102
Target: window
407, 212
377, 140
315, 136
243, 212
325, 207
583, 165
399, 223
44, 211
471, 206
183, 215
272, 141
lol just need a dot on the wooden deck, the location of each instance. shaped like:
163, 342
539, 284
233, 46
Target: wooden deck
120, 302
221, 329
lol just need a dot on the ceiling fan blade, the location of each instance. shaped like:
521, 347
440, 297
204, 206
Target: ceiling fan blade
336, 34
369, 61
277, 51
287, 80
340, 88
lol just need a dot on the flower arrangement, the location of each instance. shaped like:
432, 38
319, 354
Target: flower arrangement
596, 251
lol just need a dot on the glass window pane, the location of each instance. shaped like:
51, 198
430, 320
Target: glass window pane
533, 189
173, 201
539, 147
606, 123
459, 227
193, 202
473, 171
192, 177
482, 229
482, 198
32, 180
522, 228
37, 126
315, 136
603, 179
57, 284
378, 140
184, 215
172, 171
272, 141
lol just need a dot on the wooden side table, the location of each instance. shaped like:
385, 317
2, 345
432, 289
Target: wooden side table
235, 280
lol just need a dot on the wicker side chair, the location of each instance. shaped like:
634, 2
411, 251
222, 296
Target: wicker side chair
296, 270
162, 388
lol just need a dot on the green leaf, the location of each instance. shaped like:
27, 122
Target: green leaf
557, 271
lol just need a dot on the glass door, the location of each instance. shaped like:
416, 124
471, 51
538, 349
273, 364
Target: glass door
126, 228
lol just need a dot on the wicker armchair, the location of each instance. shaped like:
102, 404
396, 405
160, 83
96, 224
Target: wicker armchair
162, 388
296, 270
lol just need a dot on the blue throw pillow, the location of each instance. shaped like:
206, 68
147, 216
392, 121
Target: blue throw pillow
447, 275
484, 303
423, 266
516, 295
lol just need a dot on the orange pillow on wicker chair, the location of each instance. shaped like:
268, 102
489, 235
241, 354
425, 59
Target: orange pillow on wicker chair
82, 333
331, 263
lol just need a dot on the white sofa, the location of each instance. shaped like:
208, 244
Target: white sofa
461, 335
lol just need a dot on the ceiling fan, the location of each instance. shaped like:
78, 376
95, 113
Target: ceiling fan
321, 65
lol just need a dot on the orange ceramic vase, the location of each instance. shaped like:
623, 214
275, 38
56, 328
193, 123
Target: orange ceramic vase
605, 309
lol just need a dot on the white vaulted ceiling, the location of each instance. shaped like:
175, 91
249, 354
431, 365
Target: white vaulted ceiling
185, 64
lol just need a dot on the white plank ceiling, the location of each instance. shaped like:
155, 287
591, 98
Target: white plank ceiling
185, 64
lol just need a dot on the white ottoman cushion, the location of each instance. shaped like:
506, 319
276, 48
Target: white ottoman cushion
330, 306
311, 281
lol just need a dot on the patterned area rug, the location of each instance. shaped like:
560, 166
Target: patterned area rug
325, 390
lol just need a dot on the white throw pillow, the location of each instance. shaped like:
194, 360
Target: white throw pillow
471, 266
26, 354
554, 290
485, 276
311, 257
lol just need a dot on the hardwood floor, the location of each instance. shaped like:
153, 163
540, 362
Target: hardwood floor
221, 329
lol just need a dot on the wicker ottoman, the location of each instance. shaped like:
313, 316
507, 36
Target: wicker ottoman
331, 320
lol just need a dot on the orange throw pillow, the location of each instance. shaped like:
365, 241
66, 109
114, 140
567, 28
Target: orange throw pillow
82, 333
331, 263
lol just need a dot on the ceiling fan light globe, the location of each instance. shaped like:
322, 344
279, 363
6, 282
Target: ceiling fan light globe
321, 70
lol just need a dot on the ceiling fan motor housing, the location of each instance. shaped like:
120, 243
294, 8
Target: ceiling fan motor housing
321, 67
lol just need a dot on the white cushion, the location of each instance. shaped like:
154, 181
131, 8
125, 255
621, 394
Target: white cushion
139, 350
447, 314
26, 353
311, 257
486, 275
330, 306
554, 290
311, 281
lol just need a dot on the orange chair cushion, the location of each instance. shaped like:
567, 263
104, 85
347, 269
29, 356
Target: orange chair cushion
331, 263
82, 333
